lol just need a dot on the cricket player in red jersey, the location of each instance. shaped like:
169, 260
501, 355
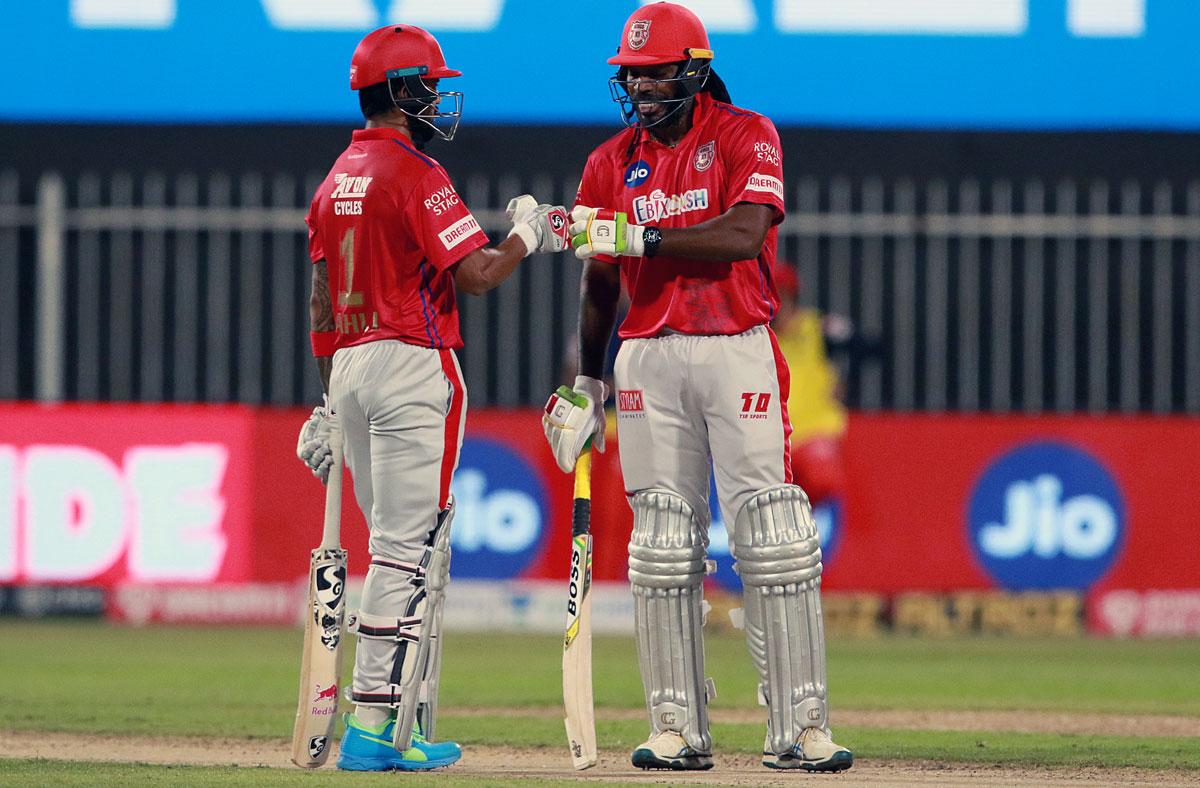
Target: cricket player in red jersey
683, 205
390, 241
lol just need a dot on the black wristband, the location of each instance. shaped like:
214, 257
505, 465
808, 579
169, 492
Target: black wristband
651, 238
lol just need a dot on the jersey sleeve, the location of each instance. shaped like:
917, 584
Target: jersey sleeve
316, 244
594, 193
440, 222
755, 169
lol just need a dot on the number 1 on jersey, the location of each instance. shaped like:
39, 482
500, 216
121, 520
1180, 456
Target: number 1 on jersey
348, 297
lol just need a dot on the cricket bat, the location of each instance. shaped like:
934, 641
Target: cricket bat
320, 666
577, 645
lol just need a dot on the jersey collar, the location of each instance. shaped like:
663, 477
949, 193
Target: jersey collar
380, 133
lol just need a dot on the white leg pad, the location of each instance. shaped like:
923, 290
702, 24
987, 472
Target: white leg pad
778, 555
666, 570
420, 686
388, 628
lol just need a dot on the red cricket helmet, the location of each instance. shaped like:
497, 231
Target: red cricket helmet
662, 33
397, 48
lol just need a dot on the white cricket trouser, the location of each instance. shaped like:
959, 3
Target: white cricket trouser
682, 399
402, 409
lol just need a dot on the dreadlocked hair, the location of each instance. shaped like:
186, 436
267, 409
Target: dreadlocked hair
715, 87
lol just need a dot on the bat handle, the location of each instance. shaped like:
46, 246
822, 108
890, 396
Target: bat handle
582, 515
331, 535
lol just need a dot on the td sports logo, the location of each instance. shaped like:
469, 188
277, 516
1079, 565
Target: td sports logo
1046, 516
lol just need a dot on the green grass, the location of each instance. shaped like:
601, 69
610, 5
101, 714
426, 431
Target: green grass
86, 677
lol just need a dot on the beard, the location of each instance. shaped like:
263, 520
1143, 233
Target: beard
422, 133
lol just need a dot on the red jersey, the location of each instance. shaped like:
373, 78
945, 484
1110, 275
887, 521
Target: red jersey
390, 226
729, 156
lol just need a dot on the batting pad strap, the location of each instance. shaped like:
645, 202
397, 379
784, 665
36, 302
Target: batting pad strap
390, 697
416, 570
372, 627
323, 343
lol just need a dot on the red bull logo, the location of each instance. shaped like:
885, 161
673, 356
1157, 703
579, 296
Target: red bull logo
329, 693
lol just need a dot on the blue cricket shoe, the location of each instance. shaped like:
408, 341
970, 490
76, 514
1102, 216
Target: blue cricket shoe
370, 750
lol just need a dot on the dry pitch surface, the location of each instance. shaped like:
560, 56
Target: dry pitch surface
548, 764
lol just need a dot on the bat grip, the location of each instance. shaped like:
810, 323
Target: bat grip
331, 535
582, 513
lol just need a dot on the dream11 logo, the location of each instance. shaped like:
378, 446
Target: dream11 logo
499, 511
1046, 516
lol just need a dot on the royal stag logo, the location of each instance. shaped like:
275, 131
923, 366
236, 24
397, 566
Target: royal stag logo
639, 33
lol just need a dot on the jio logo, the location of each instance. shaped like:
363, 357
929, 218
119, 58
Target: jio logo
1046, 516
636, 174
500, 512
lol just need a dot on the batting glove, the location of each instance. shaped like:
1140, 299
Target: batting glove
601, 231
542, 227
572, 417
312, 447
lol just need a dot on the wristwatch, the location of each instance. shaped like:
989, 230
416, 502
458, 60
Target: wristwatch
651, 238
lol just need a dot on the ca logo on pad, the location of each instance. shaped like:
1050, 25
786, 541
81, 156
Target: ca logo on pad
1046, 516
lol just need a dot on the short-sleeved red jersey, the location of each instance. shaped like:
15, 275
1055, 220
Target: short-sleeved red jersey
390, 226
730, 155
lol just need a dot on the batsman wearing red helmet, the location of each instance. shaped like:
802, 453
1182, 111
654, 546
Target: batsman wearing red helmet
683, 205
390, 241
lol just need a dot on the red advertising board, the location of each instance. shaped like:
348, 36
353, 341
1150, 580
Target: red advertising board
113, 494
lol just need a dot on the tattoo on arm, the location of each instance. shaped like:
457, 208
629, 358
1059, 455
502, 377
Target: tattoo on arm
320, 315
320, 305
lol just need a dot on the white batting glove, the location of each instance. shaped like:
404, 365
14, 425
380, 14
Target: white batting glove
572, 417
542, 227
601, 231
312, 447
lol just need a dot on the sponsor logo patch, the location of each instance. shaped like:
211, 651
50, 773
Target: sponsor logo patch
755, 404
350, 186
636, 174
630, 401
705, 155
639, 33
316, 746
657, 205
765, 151
442, 200
458, 232
759, 182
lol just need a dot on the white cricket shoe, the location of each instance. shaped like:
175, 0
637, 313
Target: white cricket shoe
668, 750
814, 751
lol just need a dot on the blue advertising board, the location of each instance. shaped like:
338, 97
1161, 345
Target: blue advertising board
902, 63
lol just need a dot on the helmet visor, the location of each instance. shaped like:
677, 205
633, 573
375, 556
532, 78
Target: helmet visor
441, 111
646, 103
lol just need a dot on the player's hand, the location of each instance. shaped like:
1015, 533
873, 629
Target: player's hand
572, 416
542, 227
312, 447
601, 231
